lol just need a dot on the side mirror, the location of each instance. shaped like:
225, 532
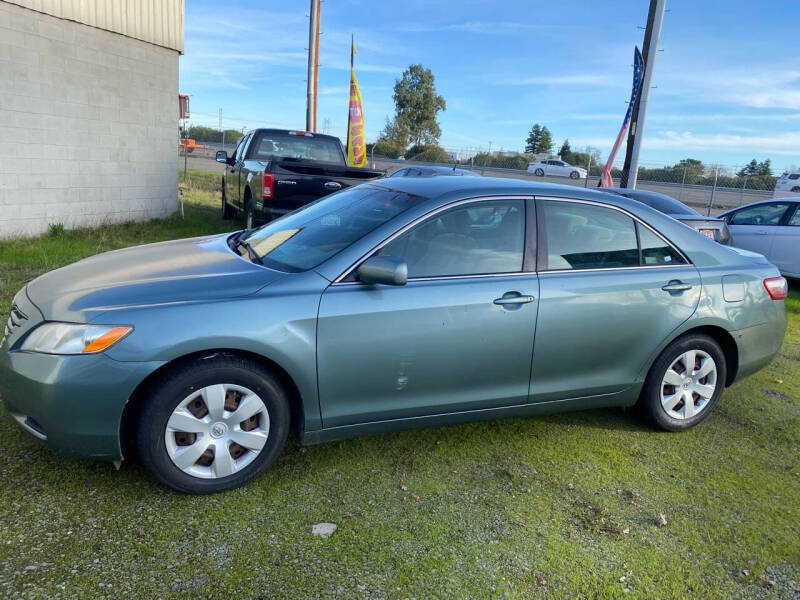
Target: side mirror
222, 157
385, 270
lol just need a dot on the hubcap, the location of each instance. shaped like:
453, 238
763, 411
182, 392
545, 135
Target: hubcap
689, 384
217, 431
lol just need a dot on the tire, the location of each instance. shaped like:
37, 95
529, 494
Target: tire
223, 385
796, 189
574, 175
228, 211
658, 412
539, 173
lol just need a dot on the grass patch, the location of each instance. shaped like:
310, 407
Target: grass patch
563, 506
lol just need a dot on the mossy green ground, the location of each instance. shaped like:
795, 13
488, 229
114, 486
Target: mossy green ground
563, 506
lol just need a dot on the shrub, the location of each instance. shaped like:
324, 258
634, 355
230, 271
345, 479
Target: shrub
428, 153
387, 149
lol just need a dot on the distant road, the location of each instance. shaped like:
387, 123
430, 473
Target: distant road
696, 196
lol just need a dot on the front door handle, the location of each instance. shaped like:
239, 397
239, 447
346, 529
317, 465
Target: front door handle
762, 232
676, 286
513, 298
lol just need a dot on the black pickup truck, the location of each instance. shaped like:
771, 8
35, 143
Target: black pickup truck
275, 171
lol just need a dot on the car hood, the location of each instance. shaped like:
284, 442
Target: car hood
188, 270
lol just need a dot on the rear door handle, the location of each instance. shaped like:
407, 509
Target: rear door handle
508, 298
676, 286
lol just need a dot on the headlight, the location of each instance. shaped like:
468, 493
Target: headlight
72, 338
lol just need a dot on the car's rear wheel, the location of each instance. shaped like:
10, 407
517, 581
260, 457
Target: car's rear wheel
227, 210
574, 175
213, 424
539, 173
684, 383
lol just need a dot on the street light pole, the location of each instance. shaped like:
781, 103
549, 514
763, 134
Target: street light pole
652, 35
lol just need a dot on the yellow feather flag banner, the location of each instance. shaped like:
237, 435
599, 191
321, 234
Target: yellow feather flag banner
356, 146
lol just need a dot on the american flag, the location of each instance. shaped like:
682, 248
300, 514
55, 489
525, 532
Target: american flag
605, 177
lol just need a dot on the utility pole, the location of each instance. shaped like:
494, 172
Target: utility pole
313, 66
652, 35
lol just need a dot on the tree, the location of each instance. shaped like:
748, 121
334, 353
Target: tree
539, 140
417, 104
565, 152
755, 168
546, 142
395, 133
533, 139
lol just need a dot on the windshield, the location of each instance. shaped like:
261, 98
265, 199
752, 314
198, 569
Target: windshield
272, 145
309, 236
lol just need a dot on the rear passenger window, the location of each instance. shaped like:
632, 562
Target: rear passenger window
585, 236
655, 251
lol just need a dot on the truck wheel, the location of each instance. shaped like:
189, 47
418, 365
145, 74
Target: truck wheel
228, 212
213, 424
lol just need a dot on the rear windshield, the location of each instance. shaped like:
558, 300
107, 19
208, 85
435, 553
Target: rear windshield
309, 236
272, 145
663, 204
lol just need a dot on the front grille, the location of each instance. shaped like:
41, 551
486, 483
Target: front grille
15, 319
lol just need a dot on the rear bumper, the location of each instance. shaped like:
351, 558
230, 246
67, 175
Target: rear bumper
73, 404
759, 344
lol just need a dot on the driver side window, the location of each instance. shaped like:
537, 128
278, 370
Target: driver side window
479, 238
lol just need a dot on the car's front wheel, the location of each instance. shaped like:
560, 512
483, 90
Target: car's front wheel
684, 383
213, 424
574, 175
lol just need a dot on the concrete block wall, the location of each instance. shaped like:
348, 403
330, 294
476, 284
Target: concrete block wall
88, 125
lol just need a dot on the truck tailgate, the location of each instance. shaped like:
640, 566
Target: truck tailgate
298, 183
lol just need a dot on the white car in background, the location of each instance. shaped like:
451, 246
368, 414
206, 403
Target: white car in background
771, 228
788, 182
556, 168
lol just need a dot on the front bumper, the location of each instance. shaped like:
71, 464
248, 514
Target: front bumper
72, 403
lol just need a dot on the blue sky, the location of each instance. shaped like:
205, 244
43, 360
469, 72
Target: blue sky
728, 78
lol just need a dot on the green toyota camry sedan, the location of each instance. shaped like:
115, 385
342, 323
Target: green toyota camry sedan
404, 303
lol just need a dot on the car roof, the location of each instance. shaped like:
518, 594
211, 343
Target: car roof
466, 187
440, 169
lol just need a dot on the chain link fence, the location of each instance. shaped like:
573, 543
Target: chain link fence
708, 188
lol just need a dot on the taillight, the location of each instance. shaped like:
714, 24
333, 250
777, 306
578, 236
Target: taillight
776, 287
267, 185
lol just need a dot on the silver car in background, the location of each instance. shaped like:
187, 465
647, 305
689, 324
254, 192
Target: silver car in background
771, 228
